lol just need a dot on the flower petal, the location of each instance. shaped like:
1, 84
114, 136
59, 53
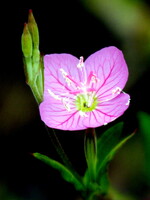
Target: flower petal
56, 116
53, 77
111, 69
56, 91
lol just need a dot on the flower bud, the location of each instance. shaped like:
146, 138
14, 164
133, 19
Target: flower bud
33, 28
26, 42
36, 61
32, 61
40, 79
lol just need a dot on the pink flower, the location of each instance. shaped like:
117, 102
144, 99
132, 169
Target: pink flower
80, 95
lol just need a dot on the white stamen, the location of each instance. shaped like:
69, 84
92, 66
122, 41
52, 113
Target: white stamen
82, 114
64, 74
81, 63
94, 79
66, 104
91, 98
128, 102
117, 90
54, 95
81, 66
105, 124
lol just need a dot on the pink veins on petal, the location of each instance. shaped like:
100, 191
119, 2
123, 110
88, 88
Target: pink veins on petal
80, 95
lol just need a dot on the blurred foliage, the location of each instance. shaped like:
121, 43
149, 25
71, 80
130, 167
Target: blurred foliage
144, 126
115, 195
5, 194
129, 173
129, 20
17, 108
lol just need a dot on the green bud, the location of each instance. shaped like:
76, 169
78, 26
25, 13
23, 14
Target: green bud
36, 61
26, 42
28, 70
33, 62
37, 85
40, 79
33, 28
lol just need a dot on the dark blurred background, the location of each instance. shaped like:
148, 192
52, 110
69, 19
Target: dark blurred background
79, 28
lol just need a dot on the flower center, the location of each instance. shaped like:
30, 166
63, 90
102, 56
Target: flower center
86, 102
80, 94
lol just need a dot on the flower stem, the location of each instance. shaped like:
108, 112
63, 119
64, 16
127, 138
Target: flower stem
61, 153
90, 148
58, 147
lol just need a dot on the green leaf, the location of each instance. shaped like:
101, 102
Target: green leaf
92, 187
65, 172
107, 141
107, 146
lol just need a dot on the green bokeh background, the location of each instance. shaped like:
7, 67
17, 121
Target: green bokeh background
79, 28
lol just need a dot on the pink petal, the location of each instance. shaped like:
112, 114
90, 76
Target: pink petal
56, 116
108, 111
53, 78
53, 111
111, 69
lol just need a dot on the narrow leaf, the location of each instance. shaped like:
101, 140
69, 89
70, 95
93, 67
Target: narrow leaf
107, 146
114, 150
65, 172
107, 141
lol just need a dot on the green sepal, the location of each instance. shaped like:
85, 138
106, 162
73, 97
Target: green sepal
65, 172
26, 42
